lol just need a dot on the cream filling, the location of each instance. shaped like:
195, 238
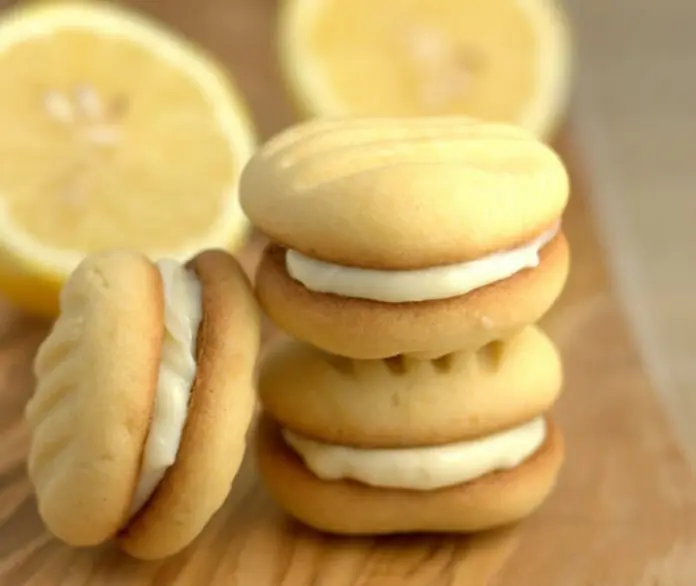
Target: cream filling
441, 282
182, 317
422, 468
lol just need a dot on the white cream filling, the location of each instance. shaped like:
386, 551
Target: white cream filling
182, 317
398, 286
422, 468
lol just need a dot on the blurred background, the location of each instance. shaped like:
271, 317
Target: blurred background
633, 119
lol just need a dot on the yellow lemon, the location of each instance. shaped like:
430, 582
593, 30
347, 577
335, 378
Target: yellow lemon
496, 60
115, 133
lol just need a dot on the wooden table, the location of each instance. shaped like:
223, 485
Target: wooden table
624, 513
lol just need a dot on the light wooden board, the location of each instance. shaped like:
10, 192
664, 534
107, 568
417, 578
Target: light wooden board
624, 513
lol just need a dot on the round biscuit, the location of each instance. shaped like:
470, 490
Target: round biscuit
400, 402
403, 193
351, 508
364, 329
96, 376
220, 410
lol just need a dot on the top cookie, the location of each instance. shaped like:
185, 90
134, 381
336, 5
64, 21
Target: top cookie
403, 193
96, 376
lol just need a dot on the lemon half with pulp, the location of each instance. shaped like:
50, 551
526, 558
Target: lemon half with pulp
495, 60
116, 132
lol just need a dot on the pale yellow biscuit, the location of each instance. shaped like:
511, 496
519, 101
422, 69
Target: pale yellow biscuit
402, 402
348, 507
97, 373
365, 329
221, 407
96, 377
393, 193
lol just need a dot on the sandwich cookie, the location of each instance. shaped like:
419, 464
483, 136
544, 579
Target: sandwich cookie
459, 487
407, 236
144, 395
355, 447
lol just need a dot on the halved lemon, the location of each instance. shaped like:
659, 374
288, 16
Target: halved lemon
115, 133
496, 60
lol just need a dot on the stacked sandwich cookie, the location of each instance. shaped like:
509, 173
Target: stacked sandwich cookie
409, 259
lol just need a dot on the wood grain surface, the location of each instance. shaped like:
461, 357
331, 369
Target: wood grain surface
624, 513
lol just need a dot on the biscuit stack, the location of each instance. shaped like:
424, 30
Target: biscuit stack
409, 260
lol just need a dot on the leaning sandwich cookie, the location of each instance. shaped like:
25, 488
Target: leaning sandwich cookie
369, 447
144, 396
407, 236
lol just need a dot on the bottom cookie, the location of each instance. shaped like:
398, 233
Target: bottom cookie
348, 507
